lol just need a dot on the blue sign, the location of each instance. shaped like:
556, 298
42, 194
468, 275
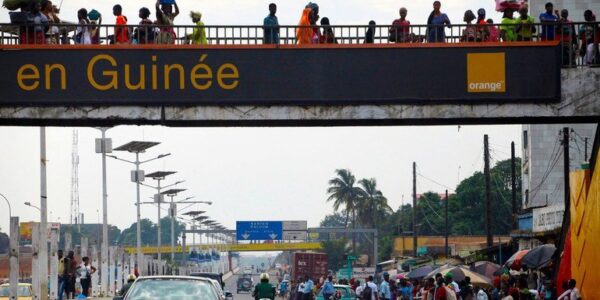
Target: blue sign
259, 230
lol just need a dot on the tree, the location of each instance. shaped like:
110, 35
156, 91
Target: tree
335, 250
372, 204
430, 214
344, 194
334, 220
148, 231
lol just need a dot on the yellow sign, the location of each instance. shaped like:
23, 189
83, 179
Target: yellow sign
486, 73
234, 247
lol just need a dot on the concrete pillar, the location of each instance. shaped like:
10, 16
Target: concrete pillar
35, 263
68, 243
111, 270
84, 247
119, 269
53, 264
94, 260
14, 257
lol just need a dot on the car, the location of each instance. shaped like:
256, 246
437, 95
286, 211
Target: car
171, 288
24, 291
218, 280
345, 292
245, 283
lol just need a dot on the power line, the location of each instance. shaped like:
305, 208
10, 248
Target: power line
431, 180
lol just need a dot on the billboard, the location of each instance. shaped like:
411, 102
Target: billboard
25, 230
284, 75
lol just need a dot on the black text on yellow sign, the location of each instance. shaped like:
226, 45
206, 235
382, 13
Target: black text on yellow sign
104, 73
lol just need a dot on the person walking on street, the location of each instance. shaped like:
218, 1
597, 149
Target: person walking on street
70, 270
328, 290
85, 272
271, 26
439, 291
61, 275
384, 288
308, 287
370, 291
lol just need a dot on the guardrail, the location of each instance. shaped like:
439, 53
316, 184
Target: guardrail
579, 40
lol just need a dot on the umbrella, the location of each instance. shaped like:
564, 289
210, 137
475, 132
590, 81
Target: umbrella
514, 262
538, 257
460, 272
486, 268
421, 272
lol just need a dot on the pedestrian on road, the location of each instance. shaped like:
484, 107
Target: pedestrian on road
370, 291
85, 272
328, 290
62, 276
384, 288
308, 287
70, 269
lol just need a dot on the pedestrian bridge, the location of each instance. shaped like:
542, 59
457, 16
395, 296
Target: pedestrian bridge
236, 80
233, 247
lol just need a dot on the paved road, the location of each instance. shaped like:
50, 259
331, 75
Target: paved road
231, 285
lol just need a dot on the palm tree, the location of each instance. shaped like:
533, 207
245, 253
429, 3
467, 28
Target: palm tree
344, 194
372, 204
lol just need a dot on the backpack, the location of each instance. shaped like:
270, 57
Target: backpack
367, 293
405, 293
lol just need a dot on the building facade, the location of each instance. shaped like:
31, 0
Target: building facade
543, 176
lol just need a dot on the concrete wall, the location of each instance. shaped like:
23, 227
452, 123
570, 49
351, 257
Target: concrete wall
580, 93
585, 230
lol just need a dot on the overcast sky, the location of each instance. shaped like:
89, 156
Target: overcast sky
250, 173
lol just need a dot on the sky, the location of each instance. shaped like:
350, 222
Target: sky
249, 173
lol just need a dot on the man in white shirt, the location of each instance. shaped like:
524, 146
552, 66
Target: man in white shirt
359, 289
374, 290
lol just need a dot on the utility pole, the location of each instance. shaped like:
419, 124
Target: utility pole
43, 250
446, 227
103, 146
566, 214
414, 212
488, 192
566, 158
513, 172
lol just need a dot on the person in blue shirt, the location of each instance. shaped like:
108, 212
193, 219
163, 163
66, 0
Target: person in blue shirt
435, 24
384, 289
271, 26
308, 287
328, 290
549, 20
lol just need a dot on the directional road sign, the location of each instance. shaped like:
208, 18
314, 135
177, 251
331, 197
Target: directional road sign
295, 235
259, 230
295, 225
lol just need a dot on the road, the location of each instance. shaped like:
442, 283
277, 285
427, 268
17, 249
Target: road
231, 285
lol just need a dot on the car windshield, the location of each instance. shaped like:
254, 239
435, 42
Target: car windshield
171, 289
22, 291
342, 290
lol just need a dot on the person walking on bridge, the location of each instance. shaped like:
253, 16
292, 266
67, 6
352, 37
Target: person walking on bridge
264, 290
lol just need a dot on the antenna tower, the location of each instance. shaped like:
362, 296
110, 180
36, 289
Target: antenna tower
75, 181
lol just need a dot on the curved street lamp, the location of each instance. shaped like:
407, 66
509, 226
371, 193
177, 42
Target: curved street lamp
9, 208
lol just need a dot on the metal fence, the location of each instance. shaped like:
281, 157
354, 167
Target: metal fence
579, 40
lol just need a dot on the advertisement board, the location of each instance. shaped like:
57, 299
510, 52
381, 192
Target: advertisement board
246, 75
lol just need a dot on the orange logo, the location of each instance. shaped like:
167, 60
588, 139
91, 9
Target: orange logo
486, 73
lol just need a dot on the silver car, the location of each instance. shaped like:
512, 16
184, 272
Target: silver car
172, 288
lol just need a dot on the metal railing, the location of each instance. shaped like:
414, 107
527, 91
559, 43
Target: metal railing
579, 40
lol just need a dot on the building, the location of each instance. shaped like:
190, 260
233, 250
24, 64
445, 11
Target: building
543, 178
575, 7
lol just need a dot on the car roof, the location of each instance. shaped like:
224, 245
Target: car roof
341, 286
173, 277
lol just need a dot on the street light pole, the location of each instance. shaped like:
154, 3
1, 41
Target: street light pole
103, 146
138, 147
7, 203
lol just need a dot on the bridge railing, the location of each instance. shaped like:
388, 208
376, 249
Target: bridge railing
579, 41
